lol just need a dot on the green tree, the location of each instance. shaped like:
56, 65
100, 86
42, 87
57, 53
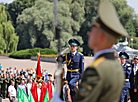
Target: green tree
8, 39
125, 13
35, 25
16, 7
90, 8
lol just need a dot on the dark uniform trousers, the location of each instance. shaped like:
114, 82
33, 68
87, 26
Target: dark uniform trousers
16, 82
75, 68
4, 88
102, 81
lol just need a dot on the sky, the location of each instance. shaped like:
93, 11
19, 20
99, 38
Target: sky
132, 3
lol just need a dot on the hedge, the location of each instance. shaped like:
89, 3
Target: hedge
28, 53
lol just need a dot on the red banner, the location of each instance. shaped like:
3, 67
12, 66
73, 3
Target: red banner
38, 69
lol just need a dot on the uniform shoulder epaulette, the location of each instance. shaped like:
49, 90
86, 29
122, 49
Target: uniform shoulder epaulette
128, 64
98, 61
80, 53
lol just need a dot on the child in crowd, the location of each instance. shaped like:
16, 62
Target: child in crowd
66, 92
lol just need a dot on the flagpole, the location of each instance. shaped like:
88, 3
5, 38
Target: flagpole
60, 59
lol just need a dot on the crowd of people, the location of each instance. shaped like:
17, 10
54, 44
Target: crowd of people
23, 79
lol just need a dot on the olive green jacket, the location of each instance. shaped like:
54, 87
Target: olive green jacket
102, 81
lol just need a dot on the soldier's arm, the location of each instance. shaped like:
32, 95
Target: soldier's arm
1, 81
63, 56
8, 80
129, 69
17, 80
90, 87
13, 79
82, 64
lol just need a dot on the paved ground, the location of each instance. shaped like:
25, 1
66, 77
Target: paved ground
26, 63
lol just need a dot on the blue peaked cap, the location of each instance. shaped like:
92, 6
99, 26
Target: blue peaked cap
123, 55
74, 42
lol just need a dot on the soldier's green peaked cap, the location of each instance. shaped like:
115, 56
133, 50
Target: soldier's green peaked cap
108, 19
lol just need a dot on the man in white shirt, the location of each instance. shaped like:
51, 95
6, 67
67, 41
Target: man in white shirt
12, 92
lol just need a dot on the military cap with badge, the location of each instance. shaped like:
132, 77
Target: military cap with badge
74, 42
123, 55
108, 20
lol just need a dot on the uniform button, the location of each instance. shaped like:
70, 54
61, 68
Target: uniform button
71, 65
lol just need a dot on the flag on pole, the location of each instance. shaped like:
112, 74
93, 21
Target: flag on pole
30, 98
38, 69
50, 91
22, 96
46, 98
25, 97
34, 92
43, 92
19, 95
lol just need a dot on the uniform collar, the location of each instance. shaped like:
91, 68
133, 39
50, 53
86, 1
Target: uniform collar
74, 53
124, 64
101, 52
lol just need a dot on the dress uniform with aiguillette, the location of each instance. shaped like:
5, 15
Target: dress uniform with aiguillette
103, 80
127, 71
75, 65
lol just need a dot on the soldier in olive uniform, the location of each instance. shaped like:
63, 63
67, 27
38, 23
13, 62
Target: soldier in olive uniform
1, 82
4, 86
17, 82
8, 83
11, 78
103, 80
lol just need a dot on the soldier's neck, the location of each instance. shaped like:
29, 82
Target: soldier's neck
73, 51
99, 49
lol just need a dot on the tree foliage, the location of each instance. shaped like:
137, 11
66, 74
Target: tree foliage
126, 15
35, 25
8, 39
16, 7
35, 22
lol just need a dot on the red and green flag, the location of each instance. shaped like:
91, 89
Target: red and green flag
34, 92
43, 92
46, 98
38, 69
